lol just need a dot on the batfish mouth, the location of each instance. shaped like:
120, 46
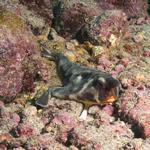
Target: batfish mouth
109, 96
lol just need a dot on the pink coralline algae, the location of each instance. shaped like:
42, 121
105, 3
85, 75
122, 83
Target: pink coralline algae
8, 120
74, 17
104, 61
64, 118
108, 109
119, 68
146, 53
29, 127
44, 141
109, 28
137, 110
17, 52
130, 7
30, 111
31, 123
43, 70
97, 147
125, 62
25, 130
113, 36
1, 104
71, 137
5, 137
36, 5
139, 114
39, 142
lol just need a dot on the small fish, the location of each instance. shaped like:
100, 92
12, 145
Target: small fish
85, 85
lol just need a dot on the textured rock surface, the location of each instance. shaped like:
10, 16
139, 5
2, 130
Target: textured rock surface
16, 47
19, 56
122, 49
42, 8
108, 28
131, 8
73, 17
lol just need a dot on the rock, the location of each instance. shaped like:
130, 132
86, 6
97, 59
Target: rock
145, 145
141, 21
124, 83
30, 111
72, 137
19, 148
137, 111
43, 70
36, 23
119, 68
140, 77
3, 146
108, 109
103, 118
70, 46
17, 142
125, 62
19, 56
31, 124
9, 120
97, 147
30, 127
140, 114
71, 56
82, 137
1, 104
108, 28
36, 18
146, 53
70, 17
64, 119
41, 8
73, 148
139, 37
5, 137
44, 141
26, 130
131, 8
104, 62
40, 141
96, 51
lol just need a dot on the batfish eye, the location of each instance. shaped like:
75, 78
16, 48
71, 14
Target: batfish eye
102, 80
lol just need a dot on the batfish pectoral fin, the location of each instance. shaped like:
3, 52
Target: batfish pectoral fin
83, 115
84, 112
43, 100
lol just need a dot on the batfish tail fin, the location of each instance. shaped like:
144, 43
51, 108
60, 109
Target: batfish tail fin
47, 52
43, 100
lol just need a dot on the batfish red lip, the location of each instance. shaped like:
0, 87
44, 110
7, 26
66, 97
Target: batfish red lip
112, 97
108, 100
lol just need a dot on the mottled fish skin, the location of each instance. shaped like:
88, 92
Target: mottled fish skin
80, 83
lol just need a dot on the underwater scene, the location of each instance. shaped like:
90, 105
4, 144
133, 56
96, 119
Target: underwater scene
74, 74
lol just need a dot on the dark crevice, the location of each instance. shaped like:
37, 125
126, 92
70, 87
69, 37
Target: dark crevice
137, 130
72, 139
115, 113
148, 10
134, 126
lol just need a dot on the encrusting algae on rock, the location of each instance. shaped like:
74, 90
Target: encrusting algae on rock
19, 56
117, 44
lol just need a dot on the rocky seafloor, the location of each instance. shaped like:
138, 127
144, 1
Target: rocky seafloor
110, 35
